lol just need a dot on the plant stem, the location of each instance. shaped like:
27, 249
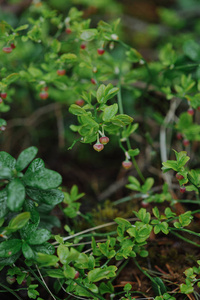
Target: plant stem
185, 239
121, 111
45, 283
10, 291
143, 271
120, 269
186, 230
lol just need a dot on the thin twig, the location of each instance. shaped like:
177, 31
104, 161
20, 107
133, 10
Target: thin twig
45, 283
163, 133
91, 229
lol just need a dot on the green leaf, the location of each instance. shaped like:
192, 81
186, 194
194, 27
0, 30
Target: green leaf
27, 251
46, 260
168, 165
56, 45
16, 195
156, 212
89, 34
10, 247
22, 27
39, 237
6, 160
124, 119
42, 178
36, 165
3, 122
5, 173
106, 288
133, 55
3, 203
11, 78
76, 110
18, 222
158, 286
69, 272
101, 273
55, 273
181, 158
9, 260
192, 50
52, 196
147, 185
186, 288
110, 112
133, 152
45, 248
134, 184
100, 93
68, 57
25, 158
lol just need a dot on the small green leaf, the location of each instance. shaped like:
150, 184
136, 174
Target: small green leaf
46, 260
55, 273
76, 110
16, 195
22, 27
100, 93
11, 78
101, 273
69, 272
19, 221
133, 55
89, 35
68, 57
110, 112
25, 158
133, 152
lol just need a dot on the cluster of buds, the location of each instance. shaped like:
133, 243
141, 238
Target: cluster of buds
99, 145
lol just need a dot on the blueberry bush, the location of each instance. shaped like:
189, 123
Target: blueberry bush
71, 85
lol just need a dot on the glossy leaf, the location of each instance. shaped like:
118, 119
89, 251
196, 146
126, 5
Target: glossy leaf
10, 247
25, 158
16, 195
39, 237
52, 196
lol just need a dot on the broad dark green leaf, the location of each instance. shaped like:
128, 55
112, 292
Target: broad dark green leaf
39, 237
53, 196
9, 260
27, 251
16, 195
25, 158
43, 179
10, 247
5, 173
46, 248
30, 206
6, 160
36, 165
3, 203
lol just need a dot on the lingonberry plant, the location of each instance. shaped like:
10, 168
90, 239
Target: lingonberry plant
105, 84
